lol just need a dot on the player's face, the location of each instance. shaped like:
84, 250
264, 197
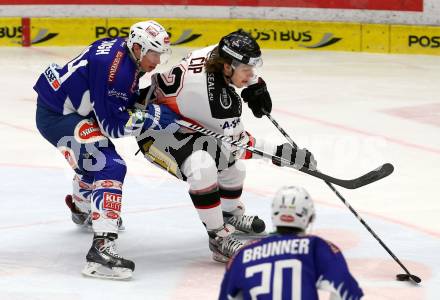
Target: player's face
150, 61
242, 75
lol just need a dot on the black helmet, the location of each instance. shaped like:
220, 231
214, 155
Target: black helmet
240, 46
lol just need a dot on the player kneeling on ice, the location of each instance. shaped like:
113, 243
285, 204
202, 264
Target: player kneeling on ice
289, 264
83, 104
201, 88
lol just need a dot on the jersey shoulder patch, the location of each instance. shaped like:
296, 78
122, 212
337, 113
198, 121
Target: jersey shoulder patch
335, 249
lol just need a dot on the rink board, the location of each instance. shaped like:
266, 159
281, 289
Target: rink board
271, 34
394, 5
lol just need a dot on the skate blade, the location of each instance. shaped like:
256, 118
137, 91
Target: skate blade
219, 257
89, 228
99, 271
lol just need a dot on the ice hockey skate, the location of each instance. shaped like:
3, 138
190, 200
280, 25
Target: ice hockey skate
245, 224
103, 260
83, 219
222, 244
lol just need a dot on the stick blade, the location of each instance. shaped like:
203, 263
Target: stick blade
375, 175
407, 277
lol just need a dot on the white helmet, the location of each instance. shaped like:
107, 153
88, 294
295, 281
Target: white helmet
292, 207
150, 35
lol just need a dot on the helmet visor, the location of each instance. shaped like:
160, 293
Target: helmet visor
161, 57
248, 70
255, 62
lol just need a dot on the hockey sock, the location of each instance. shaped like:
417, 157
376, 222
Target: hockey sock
208, 207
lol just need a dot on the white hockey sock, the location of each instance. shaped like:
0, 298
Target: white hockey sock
211, 217
234, 206
81, 193
106, 208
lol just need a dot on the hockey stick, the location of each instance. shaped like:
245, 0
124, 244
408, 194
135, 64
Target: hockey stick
365, 179
400, 277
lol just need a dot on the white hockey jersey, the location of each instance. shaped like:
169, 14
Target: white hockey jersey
199, 97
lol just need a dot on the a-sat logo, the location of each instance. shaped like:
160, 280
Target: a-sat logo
185, 37
230, 124
424, 41
12, 32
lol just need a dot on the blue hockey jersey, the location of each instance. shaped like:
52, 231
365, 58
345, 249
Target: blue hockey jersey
288, 267
102, 82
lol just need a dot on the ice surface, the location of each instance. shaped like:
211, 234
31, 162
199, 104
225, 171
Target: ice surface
353, 111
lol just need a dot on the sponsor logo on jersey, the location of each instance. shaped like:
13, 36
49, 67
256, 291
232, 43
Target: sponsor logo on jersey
224, 102
112, 215
117, 94
88, 131
52, 77
112, 201
95, 216
77, 199
287, 218
211, 86
225, 99
84, 185
107, 183
230, 124
135, 85
115, 66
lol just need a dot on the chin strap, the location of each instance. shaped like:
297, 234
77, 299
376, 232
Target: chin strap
135, 60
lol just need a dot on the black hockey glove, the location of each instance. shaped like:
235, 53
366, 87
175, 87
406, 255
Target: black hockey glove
258, 99
300, 157
143, 95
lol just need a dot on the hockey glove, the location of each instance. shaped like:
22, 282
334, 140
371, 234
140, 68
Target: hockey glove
143, 95
300, 157
244, 138
158, 117
258, 99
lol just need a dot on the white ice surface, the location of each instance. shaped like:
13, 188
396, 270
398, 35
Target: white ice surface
332, 103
